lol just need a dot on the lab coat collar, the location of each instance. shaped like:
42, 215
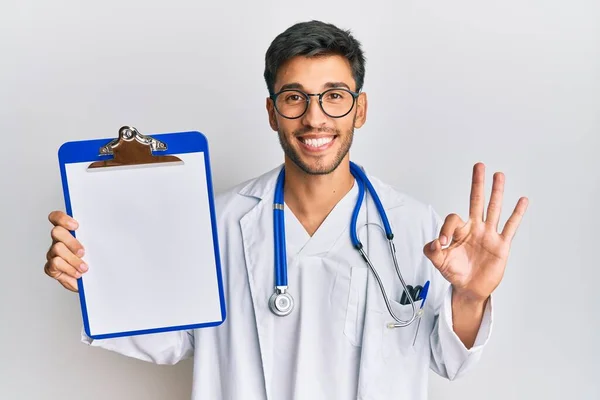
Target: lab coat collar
262, 186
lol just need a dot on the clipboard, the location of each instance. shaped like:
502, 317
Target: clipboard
147, 222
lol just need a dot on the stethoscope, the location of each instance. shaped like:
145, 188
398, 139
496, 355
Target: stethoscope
281, 302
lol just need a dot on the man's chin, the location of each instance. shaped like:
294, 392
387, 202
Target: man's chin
317, 168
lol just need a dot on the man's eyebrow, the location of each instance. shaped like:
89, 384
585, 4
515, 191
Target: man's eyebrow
328, 85
294, 85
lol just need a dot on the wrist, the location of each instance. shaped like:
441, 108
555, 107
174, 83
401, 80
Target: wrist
468, 301
467, 314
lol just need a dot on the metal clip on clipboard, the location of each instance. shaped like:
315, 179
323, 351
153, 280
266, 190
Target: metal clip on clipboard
132, 148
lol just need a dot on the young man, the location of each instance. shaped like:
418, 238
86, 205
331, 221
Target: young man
336, 343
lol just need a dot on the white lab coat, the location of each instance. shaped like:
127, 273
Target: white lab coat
236, 359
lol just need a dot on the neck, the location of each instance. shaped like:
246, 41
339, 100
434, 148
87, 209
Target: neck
312, 197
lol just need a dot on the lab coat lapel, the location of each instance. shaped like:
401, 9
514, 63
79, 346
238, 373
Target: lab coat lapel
372, 365
257, 236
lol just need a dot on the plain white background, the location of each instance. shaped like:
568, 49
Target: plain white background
515, 84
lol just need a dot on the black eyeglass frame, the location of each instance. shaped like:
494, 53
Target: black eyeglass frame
308, 98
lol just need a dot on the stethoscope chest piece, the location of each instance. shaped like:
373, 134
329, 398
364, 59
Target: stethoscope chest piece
281, 303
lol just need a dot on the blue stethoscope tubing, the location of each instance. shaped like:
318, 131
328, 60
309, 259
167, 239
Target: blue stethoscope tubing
281, 302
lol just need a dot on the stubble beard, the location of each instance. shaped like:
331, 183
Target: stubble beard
320, 168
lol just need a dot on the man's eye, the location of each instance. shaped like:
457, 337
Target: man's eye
293, 98
335, 96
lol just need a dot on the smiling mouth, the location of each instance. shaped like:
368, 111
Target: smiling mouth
317, 143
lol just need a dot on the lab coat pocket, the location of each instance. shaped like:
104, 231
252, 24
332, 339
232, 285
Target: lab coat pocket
399, 341
355, 310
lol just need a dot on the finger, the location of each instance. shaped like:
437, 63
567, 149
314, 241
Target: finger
433, 250
57, 267
495, 205
477, 195
510, 228
60, 234
59, 218
451, 224
60, 250
68, 282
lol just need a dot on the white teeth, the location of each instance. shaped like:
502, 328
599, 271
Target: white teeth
317, 142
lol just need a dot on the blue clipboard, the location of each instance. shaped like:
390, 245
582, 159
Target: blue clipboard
72, 154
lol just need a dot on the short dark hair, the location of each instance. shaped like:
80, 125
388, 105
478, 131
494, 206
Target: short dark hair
314, 38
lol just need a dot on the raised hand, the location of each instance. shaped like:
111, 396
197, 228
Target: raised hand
475, 260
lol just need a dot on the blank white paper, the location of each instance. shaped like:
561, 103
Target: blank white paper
149, 245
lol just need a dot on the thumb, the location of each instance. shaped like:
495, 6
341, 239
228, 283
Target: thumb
433, 251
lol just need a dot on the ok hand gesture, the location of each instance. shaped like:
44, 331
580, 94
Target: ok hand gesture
475, 260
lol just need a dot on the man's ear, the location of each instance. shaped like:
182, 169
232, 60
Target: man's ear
272, 115
361, 110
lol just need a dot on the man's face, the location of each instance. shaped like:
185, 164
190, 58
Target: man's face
316, 142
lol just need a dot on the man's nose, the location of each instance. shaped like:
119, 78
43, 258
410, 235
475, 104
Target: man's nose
314, 115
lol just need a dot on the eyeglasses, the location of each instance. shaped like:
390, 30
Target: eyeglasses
293, 103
